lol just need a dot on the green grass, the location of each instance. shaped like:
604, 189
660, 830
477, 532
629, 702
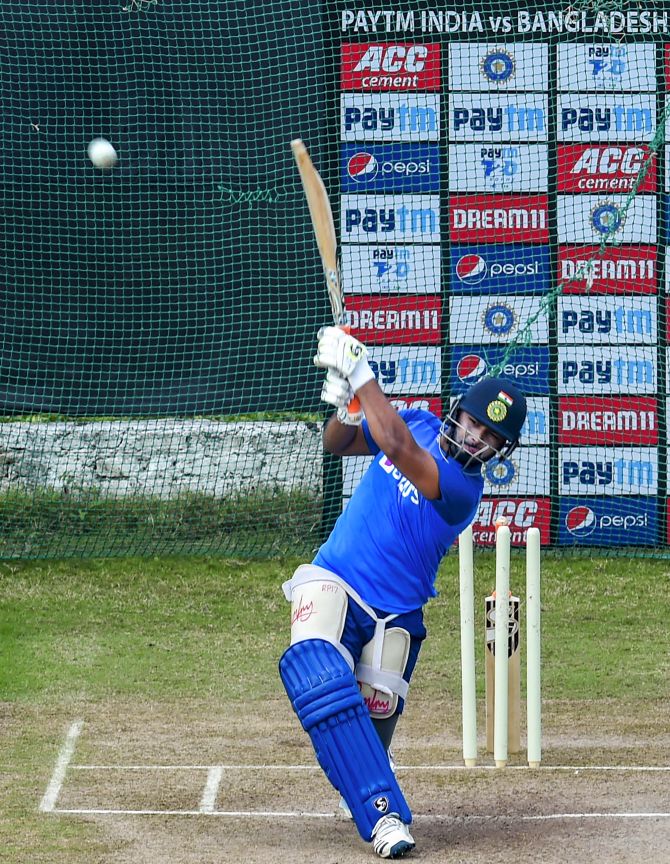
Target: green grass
199, 637
100, 629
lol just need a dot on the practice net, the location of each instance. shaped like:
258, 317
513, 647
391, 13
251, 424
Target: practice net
499, 179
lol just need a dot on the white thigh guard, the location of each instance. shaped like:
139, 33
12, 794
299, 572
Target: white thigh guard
379, 674
318, 609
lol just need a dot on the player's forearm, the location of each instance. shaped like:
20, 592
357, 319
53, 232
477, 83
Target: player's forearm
389, 431
337, 437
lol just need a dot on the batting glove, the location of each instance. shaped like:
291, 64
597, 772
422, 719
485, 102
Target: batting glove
350, 418
339, 351
336, 390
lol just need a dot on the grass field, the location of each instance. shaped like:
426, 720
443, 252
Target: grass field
169, 638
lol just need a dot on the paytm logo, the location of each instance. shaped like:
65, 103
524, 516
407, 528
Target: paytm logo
607, 370
407, 370
613, 118
390, 117
608, 319
497, 117
391, 168
388, 219
608, 470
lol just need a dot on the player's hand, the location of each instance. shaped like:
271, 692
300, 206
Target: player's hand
336, 390
350, 418
342, 352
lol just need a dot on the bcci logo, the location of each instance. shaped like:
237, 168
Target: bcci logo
498, 319
607, 218
498, 67
496, 411
500, 473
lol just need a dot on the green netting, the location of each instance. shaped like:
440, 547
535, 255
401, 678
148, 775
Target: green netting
499, 180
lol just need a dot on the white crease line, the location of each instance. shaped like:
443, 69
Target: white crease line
53, 789
211, 789
299, 814
577, 769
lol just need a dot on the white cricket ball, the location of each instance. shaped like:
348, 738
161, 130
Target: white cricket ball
102, 154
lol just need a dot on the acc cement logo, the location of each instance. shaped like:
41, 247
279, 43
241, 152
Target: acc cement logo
362, 166
499, 319
501, 473
471, 269
580, 521
471, 368
498, 66
607, 218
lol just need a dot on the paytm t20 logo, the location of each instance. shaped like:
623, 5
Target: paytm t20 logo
390, 168
608, 521
498, 168
390, 218
484, 117
390, 117
607, 66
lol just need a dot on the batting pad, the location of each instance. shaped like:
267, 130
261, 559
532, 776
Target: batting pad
326, 698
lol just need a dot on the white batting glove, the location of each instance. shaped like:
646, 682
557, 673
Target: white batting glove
336, 390
350, 418
339, 351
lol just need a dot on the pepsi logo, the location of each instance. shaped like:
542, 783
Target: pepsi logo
471, 368
362, 167
471, 269
580, 521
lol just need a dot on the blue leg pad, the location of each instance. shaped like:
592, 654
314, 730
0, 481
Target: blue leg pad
326, 698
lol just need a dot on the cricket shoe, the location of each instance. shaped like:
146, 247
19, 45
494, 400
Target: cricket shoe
391, 837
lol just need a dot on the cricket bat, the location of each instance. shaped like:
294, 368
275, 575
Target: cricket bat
326, 239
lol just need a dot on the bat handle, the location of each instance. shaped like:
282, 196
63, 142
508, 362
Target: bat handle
355, 405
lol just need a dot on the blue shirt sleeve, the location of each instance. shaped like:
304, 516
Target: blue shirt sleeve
460, 491
407, 416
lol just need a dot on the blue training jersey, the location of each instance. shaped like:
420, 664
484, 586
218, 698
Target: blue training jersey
389, 541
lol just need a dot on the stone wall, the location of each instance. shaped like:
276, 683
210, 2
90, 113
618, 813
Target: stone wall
161, 458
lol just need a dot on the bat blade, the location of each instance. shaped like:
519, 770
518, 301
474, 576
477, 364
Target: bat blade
324, 227
326, 239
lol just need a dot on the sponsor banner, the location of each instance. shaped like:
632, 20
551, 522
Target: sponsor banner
606, 118
390, 269
390, 218
498, 167
667, 169
495, 319
607, 470
527, 367
390, 66
493, 117
377, 319
608, 66
525, 472
520, 513
607, 270
499, 218
418, 403
407, 369
390, 116
611, 219
390, 168
606, 370
608, 521
605, 168
608, 420
499, 269
476, 66
586, 320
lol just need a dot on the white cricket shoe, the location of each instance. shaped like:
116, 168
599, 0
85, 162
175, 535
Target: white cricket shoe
391, 837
